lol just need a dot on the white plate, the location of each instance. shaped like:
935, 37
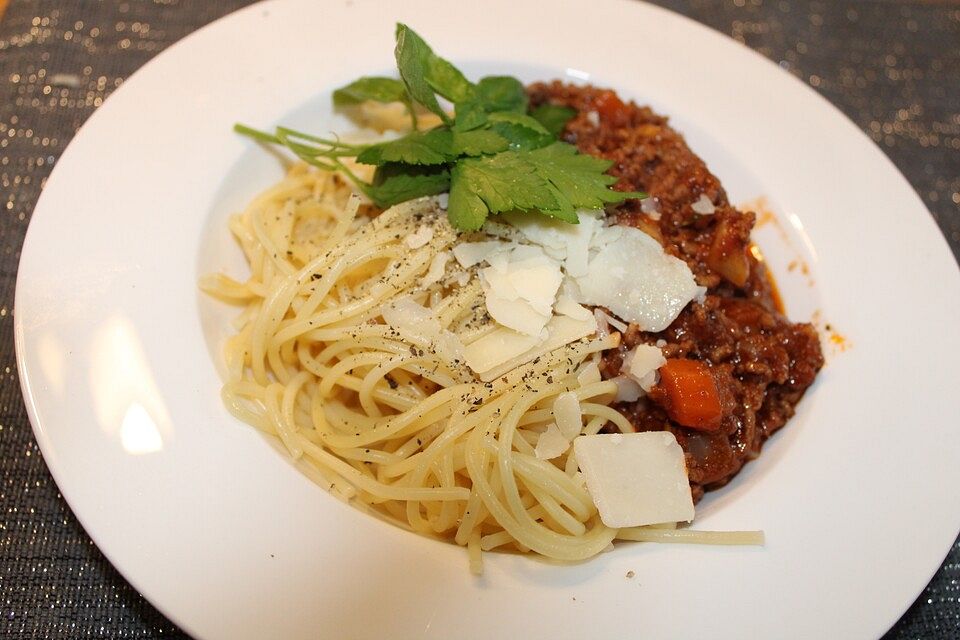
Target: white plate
857, 495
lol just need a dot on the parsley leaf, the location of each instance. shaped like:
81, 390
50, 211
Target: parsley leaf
492, 157
579, 181
494, 184
556, 180
396, 183
374, 88
477, 142
424, 73
417, 147
553, 117
412, 54
433, 147
502, 93
522, 131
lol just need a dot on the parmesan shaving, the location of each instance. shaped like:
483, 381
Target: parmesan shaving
551, 444
634, 278
566, 411
636, 479
641, 364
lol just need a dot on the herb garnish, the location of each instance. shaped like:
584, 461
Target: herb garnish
494, 155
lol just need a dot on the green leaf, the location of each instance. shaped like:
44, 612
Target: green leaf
521, 138
425, 74
394, 183
553, 117
505, 182
477, 142
502, 93
519, 119
412, 55
378, 89
433, 147
446, 79
418, 147
578, 179
470, 114
465, 210
522, 131
555, 180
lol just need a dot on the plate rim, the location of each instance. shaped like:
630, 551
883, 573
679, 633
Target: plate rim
26, 380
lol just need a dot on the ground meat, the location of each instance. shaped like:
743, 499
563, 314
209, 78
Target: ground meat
761, 362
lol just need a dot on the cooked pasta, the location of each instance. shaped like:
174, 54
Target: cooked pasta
385, 412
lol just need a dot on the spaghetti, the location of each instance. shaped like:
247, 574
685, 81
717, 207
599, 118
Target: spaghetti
385, 412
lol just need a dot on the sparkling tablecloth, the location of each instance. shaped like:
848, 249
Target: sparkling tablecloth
892, 66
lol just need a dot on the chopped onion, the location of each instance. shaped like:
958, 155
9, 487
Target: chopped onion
703, 206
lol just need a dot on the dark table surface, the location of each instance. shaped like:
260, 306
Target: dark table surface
891, 66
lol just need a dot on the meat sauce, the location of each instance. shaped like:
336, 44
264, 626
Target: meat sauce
760, 362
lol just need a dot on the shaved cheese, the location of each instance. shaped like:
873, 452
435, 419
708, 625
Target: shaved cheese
605, 236
589, 374
443, 200
608, 319
701, 295
437, 267
566, 411
418, 325
420, 237
641, 364
516, 314
627, 389
635, 479
561, 330
634, 278
551, 444
567, 242
469, 254
499, 346
567, 306
520, 288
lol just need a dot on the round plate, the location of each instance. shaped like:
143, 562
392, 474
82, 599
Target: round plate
117, 348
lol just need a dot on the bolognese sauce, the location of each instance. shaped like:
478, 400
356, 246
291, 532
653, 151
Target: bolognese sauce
736, 366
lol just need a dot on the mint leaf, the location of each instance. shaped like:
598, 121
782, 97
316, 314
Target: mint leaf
477, 142
502, 93
553, 117
393, 184
417, 147
378, 89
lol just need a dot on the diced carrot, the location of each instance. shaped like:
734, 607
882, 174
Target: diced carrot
688, 393
609, 106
